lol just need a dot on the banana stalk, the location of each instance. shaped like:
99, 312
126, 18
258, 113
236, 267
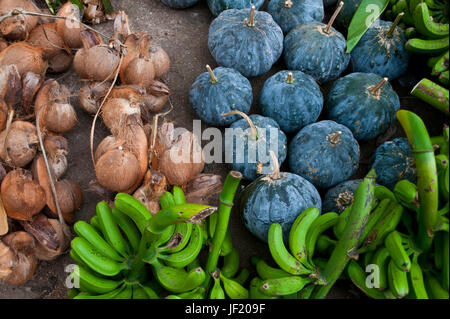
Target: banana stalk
347, 245
427, 179
226, 203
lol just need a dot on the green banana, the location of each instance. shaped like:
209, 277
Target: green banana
233, 289
402, 6
358, 276
151, 293
72, 293
444, 77
394, 244
194, 264
442, 164
112, 233
281, 255
283, 286
134, 209
212, 222
230, 264
417, 45
77, 259
434, 288
398, 281
177, 280
184, 257
217, 291
441, 64
254, 292
180, 238
438, 246
297, 234
410, 32
374, 217
109, 295
319, 225
128, 227
416, 280
178, 195
193, 294
242, 277
342, 221
166, 200
89, 233
386, 224
166, 235
94, 259
126, 293
324, 243
96, 223
267, 272
382, 192
139, 293
93, 283
424, 23
227, 245
407, 194
306, 292
381, 259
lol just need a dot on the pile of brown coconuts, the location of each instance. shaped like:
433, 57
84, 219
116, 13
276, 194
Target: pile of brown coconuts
123, 84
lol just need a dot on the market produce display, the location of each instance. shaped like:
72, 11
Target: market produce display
328, 167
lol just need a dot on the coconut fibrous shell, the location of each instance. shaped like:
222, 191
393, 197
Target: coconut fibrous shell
154, 185
18, 27
203, 189
3, 114
26, 57
22, 197
69, 29
30, 86
117, 112
17, 263
10, 85
18, 145
183, 160
45, 36
60, 62
91, 95
49, 236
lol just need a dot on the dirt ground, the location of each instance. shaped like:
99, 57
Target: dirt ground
183, 34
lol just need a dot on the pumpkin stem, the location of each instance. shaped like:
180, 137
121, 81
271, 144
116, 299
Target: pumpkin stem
334, 138
254, 131
276, 166
214, 79
251, 20
374, 90
390, 33
335, 14
290, 78
288, 4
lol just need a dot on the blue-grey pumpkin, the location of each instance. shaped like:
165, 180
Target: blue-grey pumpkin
292, 98
221, 91
381, 52
217, 6
250, 149
251, 48
345, 16
394, 161
325, 153
276, 199
290, 13
339, 197
180, 4
358, 102
310, 49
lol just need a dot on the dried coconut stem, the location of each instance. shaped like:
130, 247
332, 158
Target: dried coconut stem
333, 17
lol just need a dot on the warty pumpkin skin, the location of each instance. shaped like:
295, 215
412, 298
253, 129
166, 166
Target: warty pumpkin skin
308, 48
249, 49
339, 197
378, 53
291, 101
210, 99
352, 103
289, 14
264, 142
394, 161
325, 153
217, 6
180, 4
270, 200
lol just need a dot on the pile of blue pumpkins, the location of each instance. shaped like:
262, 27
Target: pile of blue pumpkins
316, 138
